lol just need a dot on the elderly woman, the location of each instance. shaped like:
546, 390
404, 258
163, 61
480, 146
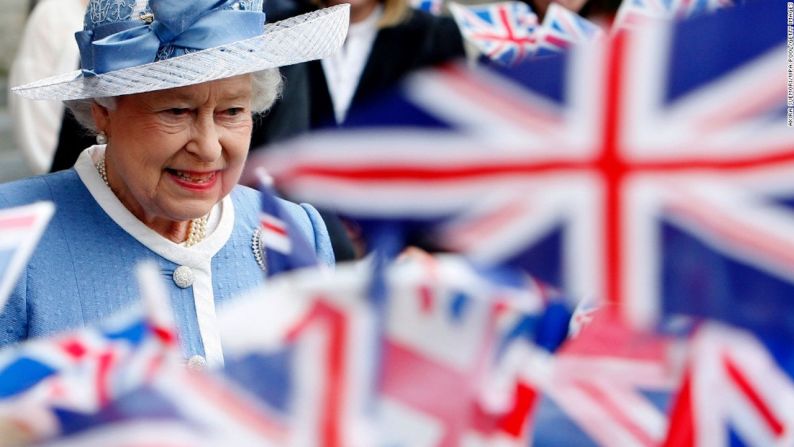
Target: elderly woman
169, 87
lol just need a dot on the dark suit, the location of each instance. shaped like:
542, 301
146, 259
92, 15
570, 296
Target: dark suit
422, 41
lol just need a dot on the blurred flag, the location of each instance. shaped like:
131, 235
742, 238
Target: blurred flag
419, 373
503, 31
656, 172
638, 13
309, 357
448, 329
563, 28
734, 393
278, 244
84, 370
124, 382
609, 385
178, 408
432, 6
20, 230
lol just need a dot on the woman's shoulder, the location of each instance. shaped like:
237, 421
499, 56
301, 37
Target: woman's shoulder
248, 204
251, 201
37, 188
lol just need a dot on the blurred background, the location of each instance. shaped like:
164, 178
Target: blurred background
12, 20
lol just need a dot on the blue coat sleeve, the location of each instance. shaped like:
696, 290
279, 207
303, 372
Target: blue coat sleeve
14, 315
313, 228
13, 312
322, 241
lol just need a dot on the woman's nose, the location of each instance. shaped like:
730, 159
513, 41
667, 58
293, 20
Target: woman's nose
205, 141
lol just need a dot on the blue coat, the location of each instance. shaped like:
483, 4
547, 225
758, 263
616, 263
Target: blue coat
83, 269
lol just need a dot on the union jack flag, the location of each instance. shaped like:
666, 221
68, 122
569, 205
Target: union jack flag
637, 13
609, 385
82, 371
562, 28
502, 31
125, 380
178, 408
431, 394
734, 393
278, 244
20, 230
415, 372
627, 172
310, 360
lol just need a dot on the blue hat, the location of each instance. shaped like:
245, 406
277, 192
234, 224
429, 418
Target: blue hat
135, 46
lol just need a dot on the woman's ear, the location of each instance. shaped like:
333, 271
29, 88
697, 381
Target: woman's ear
101, 117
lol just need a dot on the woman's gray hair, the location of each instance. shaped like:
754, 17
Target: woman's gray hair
265, 89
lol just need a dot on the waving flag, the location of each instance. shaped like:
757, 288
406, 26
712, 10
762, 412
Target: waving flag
178, 408
629, 173
734, 393
609, 385
417, 371
562, 28
638, 13
20, 230
278, 244
502, 31
82, 371
309, 359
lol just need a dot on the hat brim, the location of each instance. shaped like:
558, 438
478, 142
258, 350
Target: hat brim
310, 36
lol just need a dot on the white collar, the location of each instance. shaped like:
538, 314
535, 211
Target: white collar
190, 256
343, 69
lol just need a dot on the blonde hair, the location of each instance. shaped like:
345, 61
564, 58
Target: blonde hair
394, 13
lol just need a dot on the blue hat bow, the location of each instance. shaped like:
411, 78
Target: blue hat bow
185, 26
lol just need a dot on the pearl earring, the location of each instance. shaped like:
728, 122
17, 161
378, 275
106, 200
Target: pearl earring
101, 138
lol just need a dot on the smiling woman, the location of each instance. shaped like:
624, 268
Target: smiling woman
171, 102
172, 155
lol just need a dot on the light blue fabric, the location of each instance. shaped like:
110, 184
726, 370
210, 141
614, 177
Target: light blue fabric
82, 270
181, 25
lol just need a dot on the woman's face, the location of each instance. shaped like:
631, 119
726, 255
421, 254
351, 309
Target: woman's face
173, 154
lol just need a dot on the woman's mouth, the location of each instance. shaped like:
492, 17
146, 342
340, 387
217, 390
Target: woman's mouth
193, 179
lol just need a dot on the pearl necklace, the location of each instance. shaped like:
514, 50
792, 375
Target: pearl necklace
198, 226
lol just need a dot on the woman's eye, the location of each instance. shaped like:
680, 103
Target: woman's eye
178, 112
234, 111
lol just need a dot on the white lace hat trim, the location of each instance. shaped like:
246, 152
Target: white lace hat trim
310, 36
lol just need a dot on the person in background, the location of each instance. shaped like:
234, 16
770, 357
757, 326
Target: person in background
172, 114
386, 41
46, 48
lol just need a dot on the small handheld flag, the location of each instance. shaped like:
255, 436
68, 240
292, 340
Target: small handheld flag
20, 230
278, 246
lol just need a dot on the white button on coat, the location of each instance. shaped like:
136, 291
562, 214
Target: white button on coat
184, 277
197, 363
